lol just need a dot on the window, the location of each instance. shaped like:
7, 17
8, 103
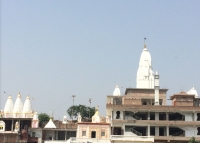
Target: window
102, 133
83, 133
118, 115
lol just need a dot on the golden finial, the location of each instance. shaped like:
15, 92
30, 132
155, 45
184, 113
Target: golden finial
145, 43
19, 95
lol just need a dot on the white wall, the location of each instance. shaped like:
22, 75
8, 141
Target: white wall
188, 116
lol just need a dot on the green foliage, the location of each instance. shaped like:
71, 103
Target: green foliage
43, 118
85, 111
192, 140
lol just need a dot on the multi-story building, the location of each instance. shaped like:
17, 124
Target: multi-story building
142, 114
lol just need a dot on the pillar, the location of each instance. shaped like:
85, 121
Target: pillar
112, 130
167, 116
12, 125
156, 116
65, 134
195, 116
112, 115
156, 131
148, 130
167, 128
148, 115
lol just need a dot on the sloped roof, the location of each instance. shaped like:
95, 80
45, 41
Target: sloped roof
50, 125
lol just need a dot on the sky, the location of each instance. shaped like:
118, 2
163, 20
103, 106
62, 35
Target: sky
51, 50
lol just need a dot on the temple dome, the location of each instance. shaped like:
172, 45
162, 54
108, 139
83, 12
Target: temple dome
27, 106
145, 74
145, 57
116, 92
18, 107
193, 91
9, 105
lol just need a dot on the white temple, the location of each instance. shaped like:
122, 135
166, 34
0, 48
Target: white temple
96, 118
145, 75
193, 91
27, 106
116, 92
18, 107
18, 110
9, 105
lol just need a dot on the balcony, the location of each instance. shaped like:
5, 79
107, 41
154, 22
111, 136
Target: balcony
132, 138
159, 122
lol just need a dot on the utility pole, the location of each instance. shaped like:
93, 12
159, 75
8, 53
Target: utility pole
90, 100
73, 107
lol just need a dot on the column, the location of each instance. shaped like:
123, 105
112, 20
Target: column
167, 116
112, 115
65, 134
194, 116
156, 116
148, 116
156, 131
148, 130
112, 130
167, 127
12, 125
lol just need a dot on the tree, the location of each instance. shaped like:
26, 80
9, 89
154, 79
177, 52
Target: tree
85, 111
192, 140
43, 118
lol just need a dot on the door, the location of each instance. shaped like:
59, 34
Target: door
93, 135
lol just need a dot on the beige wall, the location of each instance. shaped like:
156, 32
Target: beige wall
89, 128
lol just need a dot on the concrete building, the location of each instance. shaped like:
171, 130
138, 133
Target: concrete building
142, 114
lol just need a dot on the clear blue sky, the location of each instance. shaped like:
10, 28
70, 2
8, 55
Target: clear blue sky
51, 50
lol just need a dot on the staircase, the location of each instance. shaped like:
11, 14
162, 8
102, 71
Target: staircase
136, 132
180, 133
136, 117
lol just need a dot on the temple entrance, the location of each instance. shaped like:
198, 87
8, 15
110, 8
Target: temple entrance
93, 134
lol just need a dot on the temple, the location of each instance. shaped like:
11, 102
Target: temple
139, 115
145, 74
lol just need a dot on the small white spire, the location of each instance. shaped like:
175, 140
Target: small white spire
156, 73
116, 92
193, 91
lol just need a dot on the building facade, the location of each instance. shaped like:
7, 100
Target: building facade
141, 113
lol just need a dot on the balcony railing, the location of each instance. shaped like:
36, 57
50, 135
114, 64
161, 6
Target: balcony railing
88, 140
132, 138
17, 115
